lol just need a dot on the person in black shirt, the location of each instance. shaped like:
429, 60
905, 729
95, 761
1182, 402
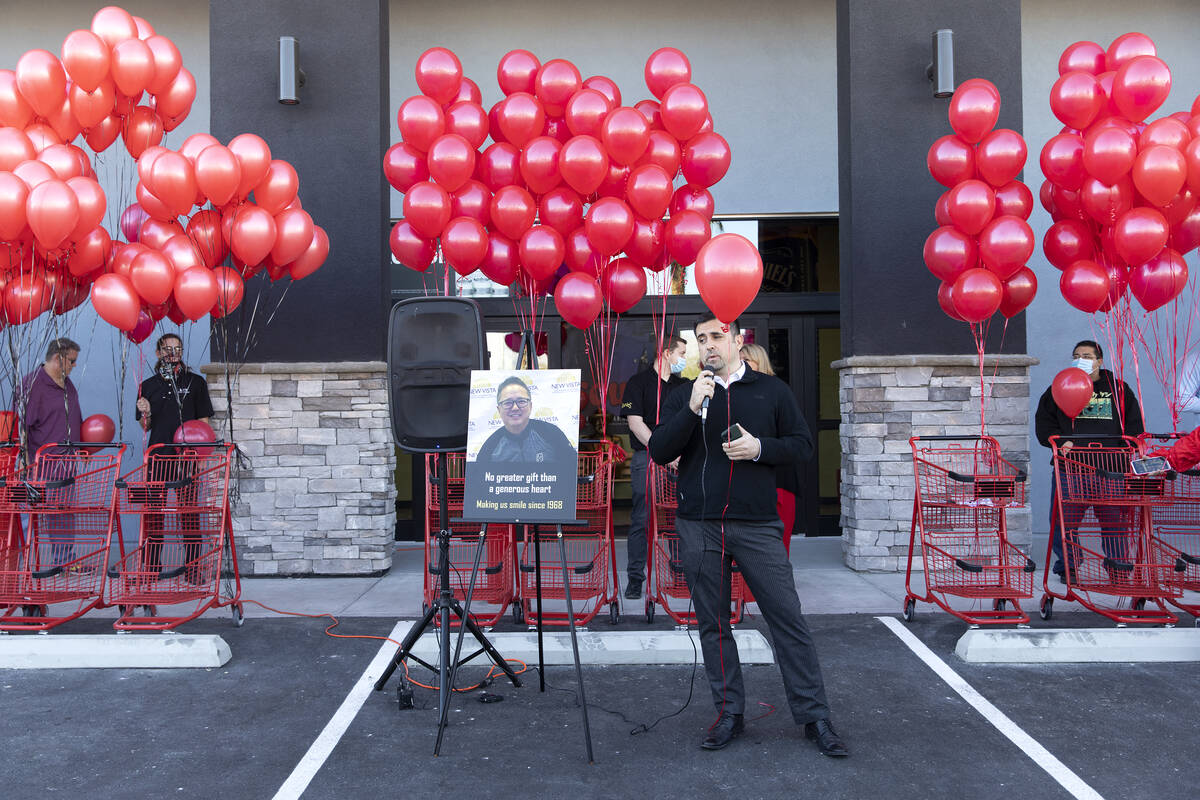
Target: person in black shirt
523, 441
644, 395
170, 397
726, 513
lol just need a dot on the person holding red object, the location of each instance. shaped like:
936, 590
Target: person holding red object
1184, 454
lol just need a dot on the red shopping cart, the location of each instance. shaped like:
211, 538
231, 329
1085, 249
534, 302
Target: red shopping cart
1114, 566
185, 554
963, 490
1175, 528
68, 495
495, 580
669, 587
591, 558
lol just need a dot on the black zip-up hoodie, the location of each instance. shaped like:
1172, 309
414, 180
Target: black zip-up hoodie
766, 408
1102, 417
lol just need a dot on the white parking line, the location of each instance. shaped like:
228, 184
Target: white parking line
1030, 746
307, 769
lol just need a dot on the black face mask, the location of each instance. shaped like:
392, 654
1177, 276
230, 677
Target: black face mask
168, 371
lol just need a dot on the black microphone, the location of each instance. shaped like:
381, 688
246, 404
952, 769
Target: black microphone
704, 409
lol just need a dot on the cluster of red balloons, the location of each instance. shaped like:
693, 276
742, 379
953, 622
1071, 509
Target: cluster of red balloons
980, 250
173, 269
571, 179
1122, 192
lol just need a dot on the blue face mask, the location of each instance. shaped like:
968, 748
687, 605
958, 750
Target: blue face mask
678, 366
1085, 364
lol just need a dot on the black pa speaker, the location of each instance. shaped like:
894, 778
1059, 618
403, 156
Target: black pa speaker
433, 344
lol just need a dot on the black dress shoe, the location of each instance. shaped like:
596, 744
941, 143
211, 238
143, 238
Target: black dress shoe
828, 742
728, 728
633, 591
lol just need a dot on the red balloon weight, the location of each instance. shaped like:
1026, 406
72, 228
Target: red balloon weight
583, 163
472, 200
555, 83
561, 209
410, 248
464, 244
625, 134
421, 121
624, 285
1066, 242
1140, 234
1084, 284
1019, 291
705, 160
1141, 86
1015, 199
578, 299
115, 301
500, 166
1108, 154
1072, 391
312, 258
517, 72
949, 252
541, 251
1001, 156
469, 121
977, 294
649, 191
1083, 57
451, 161
664, 68
1004, 246
1159, 280
513, 211
1159, 173
439, 74
686, 234
427, 208
609, 224
1062, 161
585, 112
728, 274
1076, 98
540, 164
971, 205
950, 161
501, 264
973, 112
521, 118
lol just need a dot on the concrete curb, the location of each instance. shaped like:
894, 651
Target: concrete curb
614, 647
114, 651
1079, 645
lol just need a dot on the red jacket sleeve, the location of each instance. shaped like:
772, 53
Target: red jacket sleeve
1185, 453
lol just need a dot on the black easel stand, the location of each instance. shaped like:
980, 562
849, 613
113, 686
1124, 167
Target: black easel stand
442, 608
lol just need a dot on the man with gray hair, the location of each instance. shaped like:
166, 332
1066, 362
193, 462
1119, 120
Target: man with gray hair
47, 402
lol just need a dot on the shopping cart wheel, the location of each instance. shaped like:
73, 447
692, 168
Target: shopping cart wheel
910, 609
1139, 604
239, 615
614, 613
518, 613
999, 605
34, 610
1196, 622
1046, 611
649, 611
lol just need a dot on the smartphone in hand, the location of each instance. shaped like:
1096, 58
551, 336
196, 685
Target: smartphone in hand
1148, 466
733, 433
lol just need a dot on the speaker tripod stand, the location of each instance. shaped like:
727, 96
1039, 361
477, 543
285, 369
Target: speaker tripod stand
442, 607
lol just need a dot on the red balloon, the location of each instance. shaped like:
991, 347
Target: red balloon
196, 292
1004, 246
451, 161
312, 258
578, 299
1185, 236
132, 67
141, 129
421, 121
122, 258
521, 118
100, 427
652, 111
26, 297
1015, 199
501, 264
468, 92
115, 301
555, 83
204, 229
1141, 86
951, 161
941, 209
53, 212
91, 252
427, 208
1062, 161
1001, 156
1159, 280
540, 164
197, 431
973, 112
293, 235
513, 211
218, 174
625, 134
15, 148
469, 121
613, 183
173, 181
177, 100
649, 191
152, 276
499, 166
687, 232
251, 238
1191, 154
1127, 47
561, 209
1108, 154
690, 198
85, 57
42, 81
254, 157
1084, 284
609, 224
182, 252
278, 187
439, 74
1105, 204
167, 63
410, 248
1076, 98
14, 108
1019, 291
1066, 242
583, 163
1082, 56
684, 110
1072, 391
1167, 131
14, 196
517, 72
606, 87
230, 289
580, 255
472, 200
1118, 283
728, 274
647, 245
662, 150
624, 285
541, 251
585, 112
1159, 173
971, 205
90, 108
464, 244
977, 294
664, 68
945, 298
1140, 234
949, 252
705, 160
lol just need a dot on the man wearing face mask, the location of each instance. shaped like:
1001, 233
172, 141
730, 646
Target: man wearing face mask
1113, 411
644, 395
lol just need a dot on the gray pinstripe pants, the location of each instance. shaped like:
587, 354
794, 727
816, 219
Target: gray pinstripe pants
758, 549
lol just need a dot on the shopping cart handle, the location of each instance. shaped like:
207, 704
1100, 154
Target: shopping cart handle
1123, 566
580, 570
1112, 476
1188, 558
113, 572
1030, 566
954, 476
967, 565
49, 572
1191, 473
1020, 477
182, 483
493, 570
59, 484
587, 478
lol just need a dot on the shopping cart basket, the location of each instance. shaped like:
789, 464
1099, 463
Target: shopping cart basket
1175, 528
963, 490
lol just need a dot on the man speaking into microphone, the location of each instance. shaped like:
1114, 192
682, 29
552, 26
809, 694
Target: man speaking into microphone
730, 429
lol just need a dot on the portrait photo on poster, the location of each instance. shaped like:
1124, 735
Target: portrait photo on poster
522, 446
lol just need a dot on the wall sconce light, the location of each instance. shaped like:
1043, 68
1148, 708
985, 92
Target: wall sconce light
941, 71
291, 77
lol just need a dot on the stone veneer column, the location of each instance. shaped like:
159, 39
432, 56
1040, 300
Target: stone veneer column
885, 400
319, 495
